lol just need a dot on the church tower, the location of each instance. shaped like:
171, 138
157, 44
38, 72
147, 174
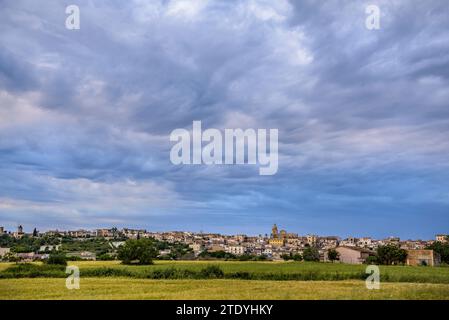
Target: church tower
274, 232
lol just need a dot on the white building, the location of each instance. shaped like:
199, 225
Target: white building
236, 250
197, 248
49, 248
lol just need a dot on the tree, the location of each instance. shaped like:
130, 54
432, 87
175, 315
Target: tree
391, 254
57, 258
287, 257
115, 232
297, 257
371, 260
333, 255
311, 254
442, 249
10, 257
35, 233
138, 251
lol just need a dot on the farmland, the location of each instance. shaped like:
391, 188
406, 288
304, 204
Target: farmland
125, 288
112, 280
326, 270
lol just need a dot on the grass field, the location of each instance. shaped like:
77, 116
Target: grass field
388, 273
125, 288
397, 282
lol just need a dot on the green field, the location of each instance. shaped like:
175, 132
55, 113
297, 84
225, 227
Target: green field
125, 288
320, 270
397, 282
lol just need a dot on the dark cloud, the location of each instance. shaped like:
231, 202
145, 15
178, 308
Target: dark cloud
363, 116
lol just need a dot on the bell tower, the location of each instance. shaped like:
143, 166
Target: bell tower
274, 232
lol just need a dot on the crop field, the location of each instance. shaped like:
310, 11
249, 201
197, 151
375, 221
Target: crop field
125, 288
269, 280
325, 271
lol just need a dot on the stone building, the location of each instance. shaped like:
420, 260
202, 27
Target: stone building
423, 258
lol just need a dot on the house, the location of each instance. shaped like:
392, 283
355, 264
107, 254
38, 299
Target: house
267, 252
236, 250
349, 242
311, 239
442, 237
364, 242
164, 252
133, 233
197, 248
29, 256
56, 233
215, 248
46, 248
106, 233
80, 233
84, 255
353, 255
422, 258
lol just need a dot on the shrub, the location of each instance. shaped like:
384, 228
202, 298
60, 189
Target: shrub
333, 255
241, 275
211, 272
297, 257
58, 259
372, 260
28, 270
105, 257
108, 272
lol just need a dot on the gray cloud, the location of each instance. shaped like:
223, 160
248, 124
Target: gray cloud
362, 115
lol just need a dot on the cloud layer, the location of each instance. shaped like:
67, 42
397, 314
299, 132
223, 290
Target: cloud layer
363, 115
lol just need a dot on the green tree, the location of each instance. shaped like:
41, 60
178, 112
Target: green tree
442, 249
333, 255
287, 257
391, 254
371, 260
10, 257
311, 254
57, 258
297, 257
138, 251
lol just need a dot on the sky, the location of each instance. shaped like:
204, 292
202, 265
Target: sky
363, 115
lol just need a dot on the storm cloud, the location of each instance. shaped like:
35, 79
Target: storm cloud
363, 115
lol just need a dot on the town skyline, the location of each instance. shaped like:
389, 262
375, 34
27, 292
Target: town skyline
11, 229
361, 116
278, 244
